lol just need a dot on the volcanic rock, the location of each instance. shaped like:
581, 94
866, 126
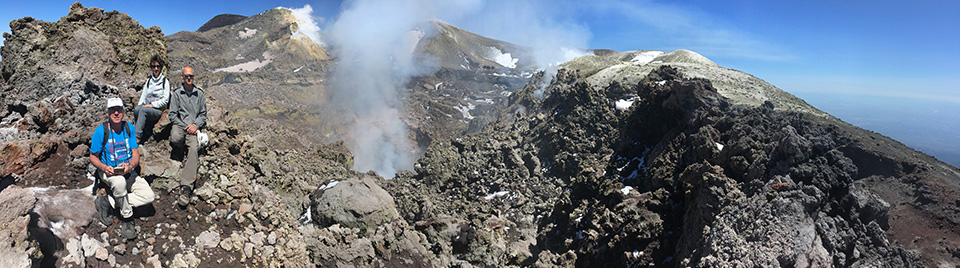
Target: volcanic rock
353, 203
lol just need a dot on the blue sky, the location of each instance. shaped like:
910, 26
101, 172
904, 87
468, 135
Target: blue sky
841, 56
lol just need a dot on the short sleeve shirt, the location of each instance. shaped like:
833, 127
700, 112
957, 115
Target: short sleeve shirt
118, 148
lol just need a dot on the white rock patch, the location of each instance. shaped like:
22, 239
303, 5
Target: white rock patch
246, 33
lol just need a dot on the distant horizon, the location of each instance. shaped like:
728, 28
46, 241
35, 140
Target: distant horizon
840, 55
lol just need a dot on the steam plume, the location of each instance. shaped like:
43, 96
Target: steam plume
372, 43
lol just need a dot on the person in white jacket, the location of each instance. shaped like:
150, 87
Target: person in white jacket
153, 99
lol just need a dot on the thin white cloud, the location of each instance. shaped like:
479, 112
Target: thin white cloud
691, 29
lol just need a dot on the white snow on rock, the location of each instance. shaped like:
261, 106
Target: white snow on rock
626, 190
495, 195
646, 56
328, 185
249, 66
246, 33
624, 104
465, 110
719, 146
504, 59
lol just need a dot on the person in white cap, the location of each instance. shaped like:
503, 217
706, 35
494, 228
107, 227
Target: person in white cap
113, 151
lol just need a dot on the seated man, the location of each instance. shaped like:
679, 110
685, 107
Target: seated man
113, 151
188, 113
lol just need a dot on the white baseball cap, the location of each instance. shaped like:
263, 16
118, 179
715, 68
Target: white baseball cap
114, 102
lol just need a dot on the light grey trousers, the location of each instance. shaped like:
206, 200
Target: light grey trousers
143, 114
180, 139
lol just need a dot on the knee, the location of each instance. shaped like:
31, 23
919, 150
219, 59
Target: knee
118, 184
148, 196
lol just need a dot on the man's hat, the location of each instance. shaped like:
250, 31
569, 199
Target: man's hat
114, 102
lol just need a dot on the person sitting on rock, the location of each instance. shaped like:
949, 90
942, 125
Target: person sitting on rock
188, 113
153, 98
113, 151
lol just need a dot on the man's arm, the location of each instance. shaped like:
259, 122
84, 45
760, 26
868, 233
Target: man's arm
202, 116
95, 160
134, 161
174, 114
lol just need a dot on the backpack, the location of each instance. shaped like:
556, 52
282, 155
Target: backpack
106, 136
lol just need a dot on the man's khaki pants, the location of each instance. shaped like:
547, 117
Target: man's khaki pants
140, 192
179, 138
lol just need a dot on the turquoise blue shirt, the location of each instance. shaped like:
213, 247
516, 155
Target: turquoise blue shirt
119, 146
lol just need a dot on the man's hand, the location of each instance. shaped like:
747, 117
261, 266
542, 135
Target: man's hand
107, 170
148, 105
192, 129
126, 168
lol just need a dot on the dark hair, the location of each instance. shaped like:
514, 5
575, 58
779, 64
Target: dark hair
156, 58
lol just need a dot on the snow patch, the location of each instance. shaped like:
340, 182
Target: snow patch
504, 59
465, 110
306, 217
495, 195
246, 33
626, 190
662, 82
719, 146
249, 66
328, 185
646, 56
624, 104
298, 69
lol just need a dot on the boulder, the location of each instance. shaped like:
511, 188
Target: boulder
354, 203
15, 248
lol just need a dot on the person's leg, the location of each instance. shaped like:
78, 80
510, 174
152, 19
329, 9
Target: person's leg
139, 120
177, 136
149, 116
140, 193
118, 184
102, 204
188, 176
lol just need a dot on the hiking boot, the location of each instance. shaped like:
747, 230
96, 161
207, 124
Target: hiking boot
128, 230
186, 193
104, 210
126, 211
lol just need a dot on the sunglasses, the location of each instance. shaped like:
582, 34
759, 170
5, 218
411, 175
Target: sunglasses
188, 76
115, 110
154, 66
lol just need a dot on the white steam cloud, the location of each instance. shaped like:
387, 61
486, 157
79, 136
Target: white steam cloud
372, 43
306, 25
